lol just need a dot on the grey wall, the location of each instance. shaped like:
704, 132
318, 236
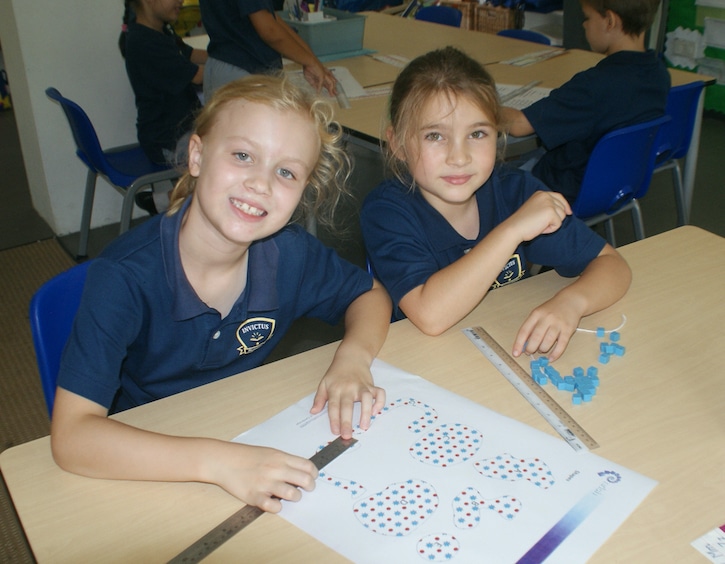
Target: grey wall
71, 45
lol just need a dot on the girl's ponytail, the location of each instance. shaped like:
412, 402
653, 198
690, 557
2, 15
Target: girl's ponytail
129, 16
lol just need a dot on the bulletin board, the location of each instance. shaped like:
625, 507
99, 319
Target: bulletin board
695, 41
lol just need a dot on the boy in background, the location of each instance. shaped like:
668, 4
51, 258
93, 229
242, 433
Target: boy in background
629, 86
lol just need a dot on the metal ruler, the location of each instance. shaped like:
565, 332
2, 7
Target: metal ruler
558, 418
533, 58
341, 96
236, 522
394, 60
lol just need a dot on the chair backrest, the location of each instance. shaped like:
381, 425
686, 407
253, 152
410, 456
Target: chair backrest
52, 310
673, 139
440, 14
619, 169
88, 148
525, 35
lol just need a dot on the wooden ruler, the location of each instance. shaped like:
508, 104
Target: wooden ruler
239, 520
552, 412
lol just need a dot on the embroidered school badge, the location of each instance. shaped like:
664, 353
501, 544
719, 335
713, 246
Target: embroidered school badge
512, 272
253, 333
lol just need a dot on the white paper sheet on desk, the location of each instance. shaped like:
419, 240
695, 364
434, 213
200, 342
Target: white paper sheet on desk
438, 477
344, 76
525, 99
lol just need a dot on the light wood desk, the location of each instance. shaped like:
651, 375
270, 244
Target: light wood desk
388, 34
660, 411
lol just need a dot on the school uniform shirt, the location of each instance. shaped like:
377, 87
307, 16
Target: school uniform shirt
142, 333
160, 71
408, 240
625, 88
232, 37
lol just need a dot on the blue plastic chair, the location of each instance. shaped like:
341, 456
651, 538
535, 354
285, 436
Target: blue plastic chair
52, 310
525, 35
440, 14
617, 175
126, 168
674, 138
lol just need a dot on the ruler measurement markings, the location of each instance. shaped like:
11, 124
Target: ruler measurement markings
553, 413
247, 514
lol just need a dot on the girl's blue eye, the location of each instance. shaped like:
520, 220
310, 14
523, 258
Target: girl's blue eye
286, 173
242, 156
479, 134
433, 136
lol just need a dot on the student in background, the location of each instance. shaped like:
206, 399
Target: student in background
247, 37
208, 289
453, 223
630, 85
164, 73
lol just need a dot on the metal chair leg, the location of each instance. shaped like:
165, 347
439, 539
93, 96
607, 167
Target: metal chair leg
609, 229
679, 193
637, 220
86, 214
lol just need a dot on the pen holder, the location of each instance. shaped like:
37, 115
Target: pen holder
314, 17
339, 32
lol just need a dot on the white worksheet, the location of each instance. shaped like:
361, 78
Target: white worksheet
520, 97
439, 478
344, 77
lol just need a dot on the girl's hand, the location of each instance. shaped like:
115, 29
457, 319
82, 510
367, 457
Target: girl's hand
543, 212
550, 326
259, 476
344, 384
548, 329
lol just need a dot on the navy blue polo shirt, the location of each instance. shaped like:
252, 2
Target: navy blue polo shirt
625, 88
160, 70
408, 240
142, 333
232, 37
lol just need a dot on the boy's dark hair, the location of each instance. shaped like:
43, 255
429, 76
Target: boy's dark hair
636, 15
129, 17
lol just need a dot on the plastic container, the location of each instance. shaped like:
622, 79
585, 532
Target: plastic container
331, 36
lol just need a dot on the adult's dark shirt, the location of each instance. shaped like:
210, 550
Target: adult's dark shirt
232, 37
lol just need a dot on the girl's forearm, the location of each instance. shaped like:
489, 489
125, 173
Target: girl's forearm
105, 448
604, 281
454, 291
366, 323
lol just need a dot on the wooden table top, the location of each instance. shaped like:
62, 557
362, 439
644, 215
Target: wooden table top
661, 412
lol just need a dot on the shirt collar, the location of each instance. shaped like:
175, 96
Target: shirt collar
446, 236
261, 287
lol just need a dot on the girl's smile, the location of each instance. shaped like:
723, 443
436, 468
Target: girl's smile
247, 209
458, 179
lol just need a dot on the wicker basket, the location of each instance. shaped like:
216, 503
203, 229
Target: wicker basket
468, 8
493, 19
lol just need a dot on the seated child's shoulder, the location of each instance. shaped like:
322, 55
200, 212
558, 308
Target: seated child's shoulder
508, 176
389, 191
